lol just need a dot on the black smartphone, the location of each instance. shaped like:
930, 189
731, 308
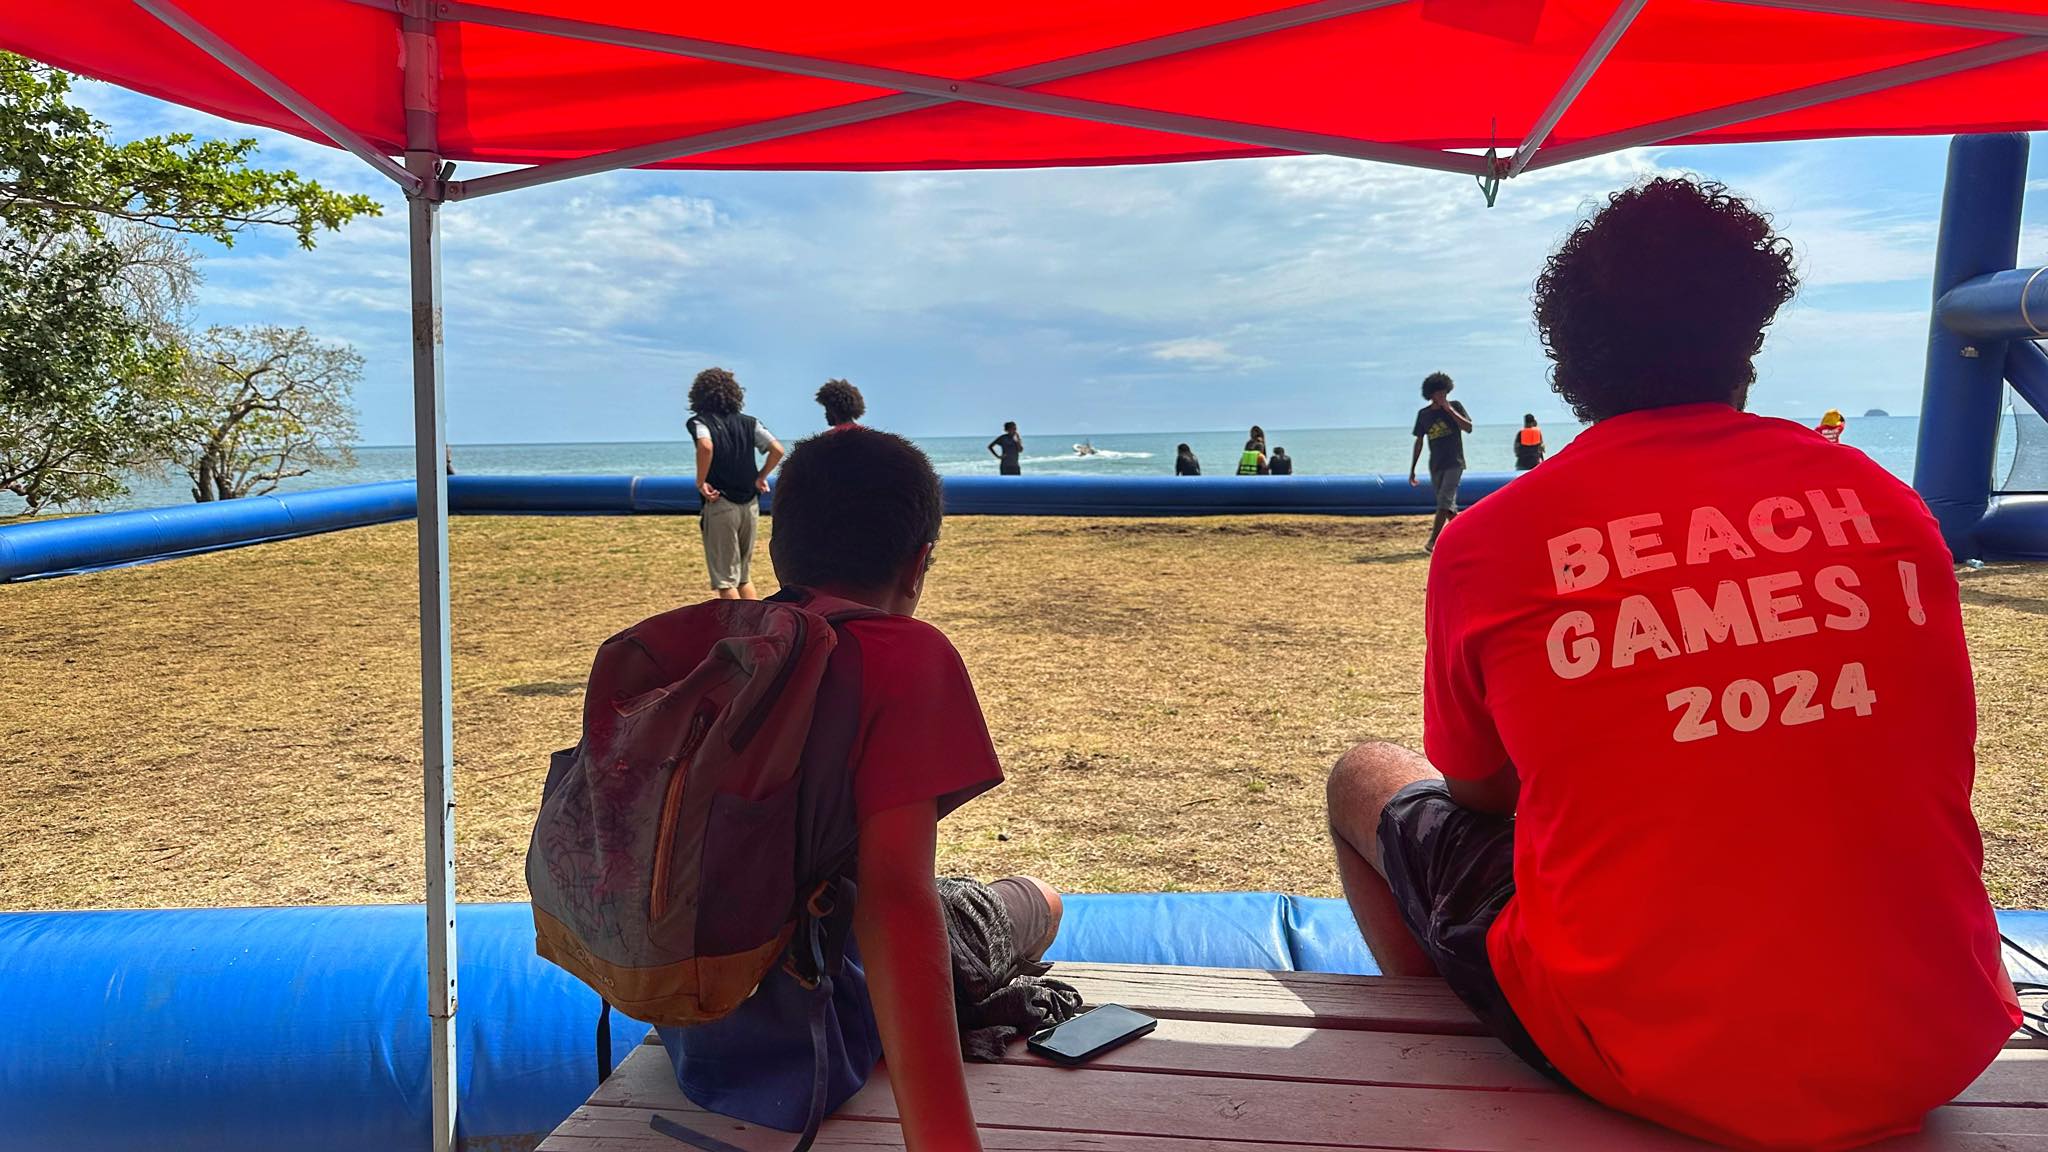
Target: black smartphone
1091, 1033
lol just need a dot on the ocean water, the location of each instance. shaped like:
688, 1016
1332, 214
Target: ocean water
1316, 452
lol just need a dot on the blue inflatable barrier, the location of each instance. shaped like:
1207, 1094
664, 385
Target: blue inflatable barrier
1203, 496
44, 548
222, 1029
2016, 528
85, 543
574, 495
211, 1030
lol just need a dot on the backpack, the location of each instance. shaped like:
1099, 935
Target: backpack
702, 832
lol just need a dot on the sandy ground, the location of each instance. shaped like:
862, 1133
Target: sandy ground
241, 728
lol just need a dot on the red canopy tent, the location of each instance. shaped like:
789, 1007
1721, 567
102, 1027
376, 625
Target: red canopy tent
919, 85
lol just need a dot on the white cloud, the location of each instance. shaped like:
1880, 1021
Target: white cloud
1201, 352
1157, 295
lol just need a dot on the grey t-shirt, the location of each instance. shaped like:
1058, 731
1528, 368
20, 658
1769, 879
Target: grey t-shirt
763, 439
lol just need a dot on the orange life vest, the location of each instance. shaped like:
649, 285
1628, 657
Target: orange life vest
1531, 437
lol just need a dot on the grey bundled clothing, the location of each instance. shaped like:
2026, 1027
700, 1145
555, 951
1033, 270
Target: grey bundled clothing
999, 990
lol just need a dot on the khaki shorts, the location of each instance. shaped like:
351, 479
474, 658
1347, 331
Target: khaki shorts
728, 529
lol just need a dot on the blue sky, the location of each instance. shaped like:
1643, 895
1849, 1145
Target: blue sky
1295, 293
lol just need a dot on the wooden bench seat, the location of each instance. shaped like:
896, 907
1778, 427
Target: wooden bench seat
1248, 1061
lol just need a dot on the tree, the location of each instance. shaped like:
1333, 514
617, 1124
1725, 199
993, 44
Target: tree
262, 404
90, 386
95, 276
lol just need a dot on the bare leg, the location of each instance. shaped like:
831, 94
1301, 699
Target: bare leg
1362, 782
726, 593
1035, 949
746, 592
1436, 529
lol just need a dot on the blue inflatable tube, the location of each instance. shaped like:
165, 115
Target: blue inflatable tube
85, 543
1203, 496
574, 495
301, 1028
2016, 528
1965, 378
225, 1029
43, 548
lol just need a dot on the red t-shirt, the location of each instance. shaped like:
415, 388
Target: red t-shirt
1727, 663
921, 736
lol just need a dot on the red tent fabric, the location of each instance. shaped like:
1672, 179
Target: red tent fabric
1427, 74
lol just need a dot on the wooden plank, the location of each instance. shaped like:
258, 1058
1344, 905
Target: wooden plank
1317, 1055
1212, 1108
2019, 1077
1249, 996
630, 1130
1209, 1108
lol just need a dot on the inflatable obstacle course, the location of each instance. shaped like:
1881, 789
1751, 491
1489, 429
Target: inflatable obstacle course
1986, 315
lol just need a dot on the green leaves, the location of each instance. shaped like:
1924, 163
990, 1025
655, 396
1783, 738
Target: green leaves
61, 171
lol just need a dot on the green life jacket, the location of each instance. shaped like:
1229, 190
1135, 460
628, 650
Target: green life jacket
1248, 464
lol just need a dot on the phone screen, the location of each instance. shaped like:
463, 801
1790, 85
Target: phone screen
1093, 1031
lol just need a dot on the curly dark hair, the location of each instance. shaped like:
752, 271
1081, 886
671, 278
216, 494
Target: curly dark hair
851, 508
1662, 297
843, 402
1436, 382
715, 392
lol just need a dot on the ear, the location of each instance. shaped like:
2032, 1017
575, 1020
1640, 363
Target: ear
911, 581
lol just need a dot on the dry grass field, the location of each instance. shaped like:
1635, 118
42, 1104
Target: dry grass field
240, 728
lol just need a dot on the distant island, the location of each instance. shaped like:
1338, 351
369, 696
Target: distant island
1876, 412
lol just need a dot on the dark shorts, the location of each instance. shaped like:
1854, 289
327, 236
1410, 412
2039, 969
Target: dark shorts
1443, 481
1452, 871
1009, 468
1030, 915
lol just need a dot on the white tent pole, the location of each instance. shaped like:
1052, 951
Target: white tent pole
241, 65
969, 91
1589, 63
1913, 12
1982, 56
437, 726
881, 107
430, 446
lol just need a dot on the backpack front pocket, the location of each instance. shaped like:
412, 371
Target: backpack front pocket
749, 871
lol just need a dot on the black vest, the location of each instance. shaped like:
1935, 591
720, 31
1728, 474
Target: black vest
732, 455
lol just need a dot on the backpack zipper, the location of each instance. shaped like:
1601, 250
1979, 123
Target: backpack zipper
758, 715
671, 808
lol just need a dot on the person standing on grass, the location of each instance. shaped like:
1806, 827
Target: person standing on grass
1529, 450
1008, 449
1441, 425
727, 440
842, 402
1698, 716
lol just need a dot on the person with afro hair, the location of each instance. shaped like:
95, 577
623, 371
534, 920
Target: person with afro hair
842, 402
727, 440
1697, 716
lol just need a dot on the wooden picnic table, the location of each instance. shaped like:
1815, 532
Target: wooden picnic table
1250, 1061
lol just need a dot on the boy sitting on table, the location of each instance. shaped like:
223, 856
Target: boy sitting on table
1694, 833
856, 519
